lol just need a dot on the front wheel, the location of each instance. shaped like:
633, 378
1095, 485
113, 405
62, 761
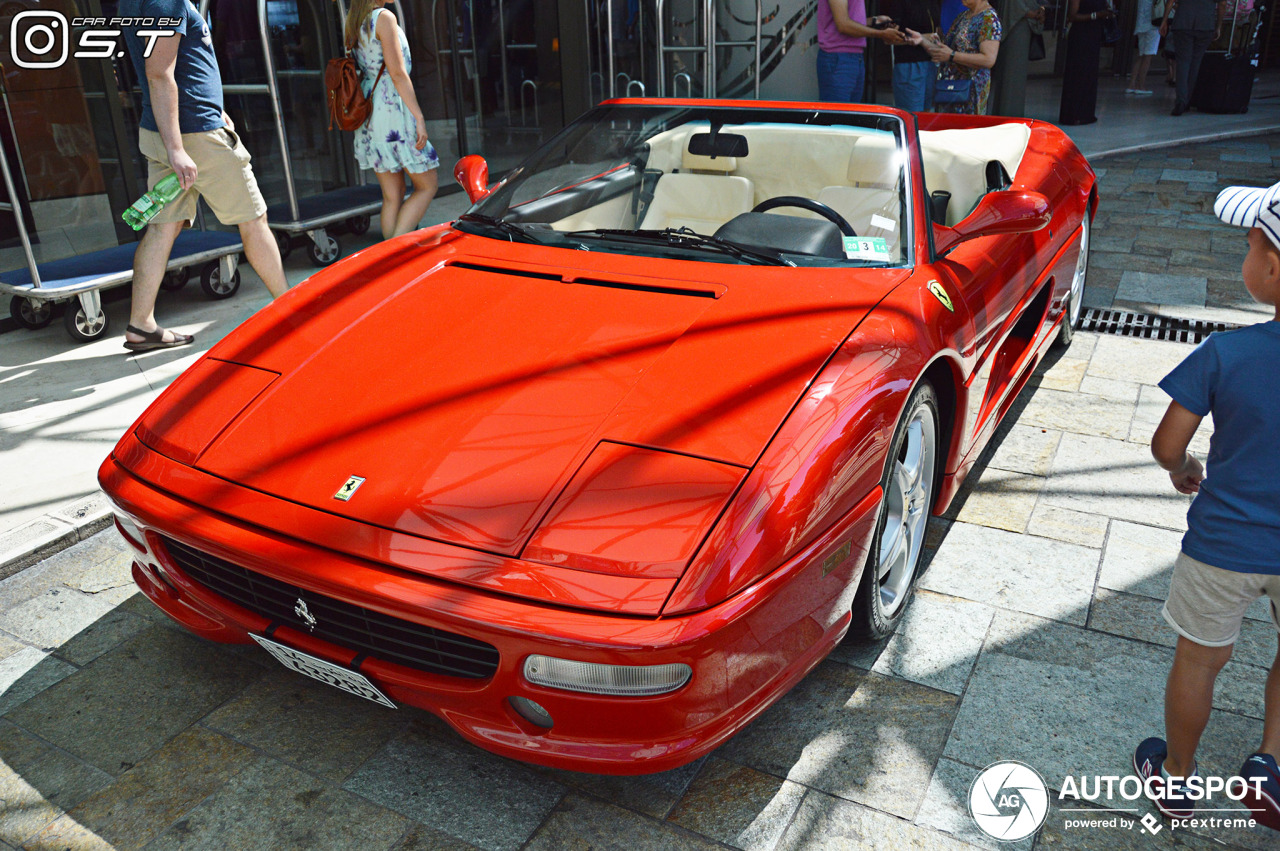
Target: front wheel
909, 482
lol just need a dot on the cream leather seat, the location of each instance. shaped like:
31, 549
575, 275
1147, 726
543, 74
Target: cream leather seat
871, 202
702, 196
956, 160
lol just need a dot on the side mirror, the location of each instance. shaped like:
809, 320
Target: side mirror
1008, 211
472, 172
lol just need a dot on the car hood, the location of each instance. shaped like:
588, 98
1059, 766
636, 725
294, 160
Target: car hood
465, 387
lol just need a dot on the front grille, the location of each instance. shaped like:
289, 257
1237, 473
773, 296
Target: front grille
1150, 326
354, 627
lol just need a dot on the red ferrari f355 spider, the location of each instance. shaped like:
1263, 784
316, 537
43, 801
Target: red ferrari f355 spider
600, 470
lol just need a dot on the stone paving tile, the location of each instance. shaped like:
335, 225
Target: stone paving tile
825, 823
1020, 572
1139, 559
158, 791
1162, 288
423, 838
857, 735
738, 806
270, 805
1239, 689
914, 652
66, 834
1072, 527
581, 823
1135, 360
1122, 391
1026, 449
946, 807
100, 636
1077, 413
468, 793
285, 714
52, 618
999, 499
1116, 479
1152, 403
649, 794
37, 783
28, 672
131, 700
1065, 374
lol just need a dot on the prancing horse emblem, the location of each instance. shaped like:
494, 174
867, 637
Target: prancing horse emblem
304, 613
348, 490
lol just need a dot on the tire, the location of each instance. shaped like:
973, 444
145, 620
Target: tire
285, 241
28, 315
80, 329
909, 485
1073, 307
326, 253
358, 225
213, 283
175, 279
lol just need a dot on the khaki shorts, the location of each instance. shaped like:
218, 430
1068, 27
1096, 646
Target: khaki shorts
224, 177
1207, 604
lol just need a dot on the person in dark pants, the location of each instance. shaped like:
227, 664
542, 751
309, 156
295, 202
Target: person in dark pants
1196, 25
1080, 74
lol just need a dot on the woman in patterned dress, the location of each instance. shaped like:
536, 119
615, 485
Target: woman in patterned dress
393, 142
968, 53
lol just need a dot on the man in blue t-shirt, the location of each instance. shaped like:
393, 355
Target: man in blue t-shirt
184, 130
1231, 552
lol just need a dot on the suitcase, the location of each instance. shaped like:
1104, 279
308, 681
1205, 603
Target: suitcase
1225, 83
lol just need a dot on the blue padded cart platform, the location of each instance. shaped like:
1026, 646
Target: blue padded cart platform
316, 211
60, 279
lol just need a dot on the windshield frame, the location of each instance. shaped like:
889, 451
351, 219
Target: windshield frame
653, 118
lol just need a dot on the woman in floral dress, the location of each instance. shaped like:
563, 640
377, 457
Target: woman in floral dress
968, 53
393, 142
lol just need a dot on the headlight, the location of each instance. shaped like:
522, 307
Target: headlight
621, 680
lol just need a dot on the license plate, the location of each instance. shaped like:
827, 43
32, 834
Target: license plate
326, 672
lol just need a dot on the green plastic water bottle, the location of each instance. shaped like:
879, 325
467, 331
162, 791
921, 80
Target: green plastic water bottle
145, 208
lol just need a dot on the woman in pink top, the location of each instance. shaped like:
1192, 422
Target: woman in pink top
842, 37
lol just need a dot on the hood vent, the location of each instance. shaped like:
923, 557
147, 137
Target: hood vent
614, 284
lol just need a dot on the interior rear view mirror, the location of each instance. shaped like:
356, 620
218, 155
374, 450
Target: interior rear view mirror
718, 145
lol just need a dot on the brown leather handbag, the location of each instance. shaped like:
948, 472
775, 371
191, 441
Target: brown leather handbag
348, 107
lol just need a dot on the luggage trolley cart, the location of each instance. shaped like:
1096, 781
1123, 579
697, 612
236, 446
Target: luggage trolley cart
313, 215
35, 289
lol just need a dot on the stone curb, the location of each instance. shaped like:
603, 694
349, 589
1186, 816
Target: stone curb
1189, 140
53, 532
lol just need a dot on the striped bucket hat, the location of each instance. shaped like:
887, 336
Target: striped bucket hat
1251, 207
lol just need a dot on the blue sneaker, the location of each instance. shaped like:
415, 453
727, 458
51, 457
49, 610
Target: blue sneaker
1169, 793
1264, 801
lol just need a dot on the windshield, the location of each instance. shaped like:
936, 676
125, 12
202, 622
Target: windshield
717, 184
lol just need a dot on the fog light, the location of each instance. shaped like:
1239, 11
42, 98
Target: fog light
623, 680
531, 712
130, 533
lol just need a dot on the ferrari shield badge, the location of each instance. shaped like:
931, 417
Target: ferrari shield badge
941, 295
348, 490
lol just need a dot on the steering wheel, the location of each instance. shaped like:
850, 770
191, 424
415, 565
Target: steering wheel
806, 204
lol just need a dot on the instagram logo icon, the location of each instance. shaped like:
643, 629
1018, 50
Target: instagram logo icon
39, 39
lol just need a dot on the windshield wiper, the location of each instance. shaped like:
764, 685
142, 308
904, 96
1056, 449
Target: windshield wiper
511, 229
685, 237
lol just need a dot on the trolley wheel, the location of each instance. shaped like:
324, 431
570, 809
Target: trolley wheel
175, 279
324, 250
358, 225
214, 284
78, 325
285, 241
28, 314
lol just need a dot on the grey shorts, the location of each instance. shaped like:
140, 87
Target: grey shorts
1207, 604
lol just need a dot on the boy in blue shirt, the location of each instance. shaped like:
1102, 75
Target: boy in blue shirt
1231, 552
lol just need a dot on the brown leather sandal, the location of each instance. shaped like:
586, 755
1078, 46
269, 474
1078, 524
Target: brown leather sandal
155, 340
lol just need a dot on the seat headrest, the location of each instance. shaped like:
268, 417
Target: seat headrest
875, 163
694, 162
